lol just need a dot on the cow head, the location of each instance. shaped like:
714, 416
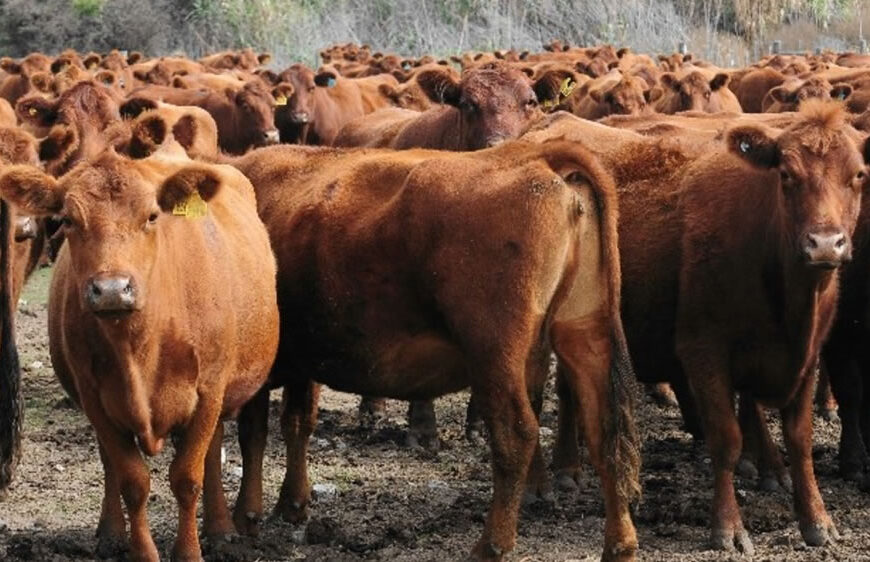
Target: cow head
819, 167
629, 96
496, 102
788, 96
694, 92
300, 106
115, 213
257, 113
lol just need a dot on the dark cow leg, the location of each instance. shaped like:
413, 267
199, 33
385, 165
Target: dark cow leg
816, 526
513, 431
538, 486
186, 474
371, 411
707, 370
759, 451
298, 419
474, 426
688, 408
112, 529
253, 431
422, 425
585, 355
847, 388
826, 406
566, 452
216, 521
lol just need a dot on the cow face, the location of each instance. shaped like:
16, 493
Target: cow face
495, 101
300, 106
819, 167
626, 97
257, 108
788, 97
113, 211
694, 92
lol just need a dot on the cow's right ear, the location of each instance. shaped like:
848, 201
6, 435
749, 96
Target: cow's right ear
32, 191
37, 111
133, 107
325, 79
440, 86
670, 81
754, 145
92, 61
782, 95
196, 178
9, 66
146, 136
134, 57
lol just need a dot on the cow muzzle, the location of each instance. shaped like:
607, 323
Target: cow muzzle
827, 250
271, 137
111, 294
299, 117
25, 229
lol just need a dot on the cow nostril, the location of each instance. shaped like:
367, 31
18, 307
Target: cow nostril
840, 242
811, 241
128, 289
95, 289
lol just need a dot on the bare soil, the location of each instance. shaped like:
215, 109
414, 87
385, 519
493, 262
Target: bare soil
380, 500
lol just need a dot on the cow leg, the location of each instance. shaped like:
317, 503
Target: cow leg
298, 419
538, 485
688, 408
758, 446
585, 365
112, 529
816, 526
217, 523
847, 389
371, 410
707, 372
186, 473
662, 394
474, 426
513, 431
253, 432
123, 460
422, 425
826, 406
566, 453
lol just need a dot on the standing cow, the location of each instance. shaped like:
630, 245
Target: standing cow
414, 274
162, 318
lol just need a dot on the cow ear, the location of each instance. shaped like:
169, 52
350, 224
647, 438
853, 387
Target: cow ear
59, 142
653, 94
140, 75
670, 81
524, 55
597, 95
268, 76
37, 110
180, 83
133, 107
59, 65
781, 94
9, 66
549, 85
440, 86
184, 183
530, 72
92, 61
134, 57
622, 52
32, 191
106, 77
754, 145
687, 57
613, 64
719, 81
841, 91
866, 151
185, 131
264, 58
325, 79
147, 135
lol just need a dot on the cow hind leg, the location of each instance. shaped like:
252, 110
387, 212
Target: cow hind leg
475, 429
538, 485
816, 525
423, 425
761, 457
847, 388
253, 432
513, 431
298, 418
112, 528
371, 411
826, 406
566, 451
585, 354
217, 523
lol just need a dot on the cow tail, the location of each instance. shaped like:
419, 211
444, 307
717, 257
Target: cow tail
11, 399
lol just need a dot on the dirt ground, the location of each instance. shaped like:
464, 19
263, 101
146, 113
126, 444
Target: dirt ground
380, 500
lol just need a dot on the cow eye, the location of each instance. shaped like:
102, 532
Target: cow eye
531, 102
152, 218
66, 222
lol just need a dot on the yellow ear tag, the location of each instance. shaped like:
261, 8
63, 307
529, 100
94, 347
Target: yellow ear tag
281, 100
193, 207
567, 87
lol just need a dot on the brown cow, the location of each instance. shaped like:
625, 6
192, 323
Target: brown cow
157, 323
792, 93
620, 95
245, 117
694, 91
730, 277
394, 226
753, 86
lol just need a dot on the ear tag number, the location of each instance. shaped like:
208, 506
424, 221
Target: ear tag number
281, 100
193, 207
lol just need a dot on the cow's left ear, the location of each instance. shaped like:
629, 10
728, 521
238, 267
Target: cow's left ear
196, 178
754, 145
264, 58
549, 85
719, 81
32, 191
653, 94
440, 86
325, 79
841, 91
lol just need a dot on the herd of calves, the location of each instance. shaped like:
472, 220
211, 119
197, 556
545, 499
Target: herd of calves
660, 220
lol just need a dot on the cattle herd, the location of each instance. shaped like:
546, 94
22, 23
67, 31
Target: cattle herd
462, 222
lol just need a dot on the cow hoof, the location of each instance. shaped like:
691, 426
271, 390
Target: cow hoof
746, 469
248, 524
819, 534
728, 540
620, 553
663, 395
426, 442
110, 547
487, 552
292, 512
829, 415
532, 498
567, 482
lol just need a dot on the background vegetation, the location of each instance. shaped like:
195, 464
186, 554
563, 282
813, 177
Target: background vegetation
729, 32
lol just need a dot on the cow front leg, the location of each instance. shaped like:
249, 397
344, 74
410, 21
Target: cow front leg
298, 419
112, 529
816, 525
253, 434
423, 425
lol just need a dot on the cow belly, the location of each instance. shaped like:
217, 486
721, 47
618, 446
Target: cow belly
414, 367
768, 371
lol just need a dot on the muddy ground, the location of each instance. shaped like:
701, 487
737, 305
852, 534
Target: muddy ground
383, 501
